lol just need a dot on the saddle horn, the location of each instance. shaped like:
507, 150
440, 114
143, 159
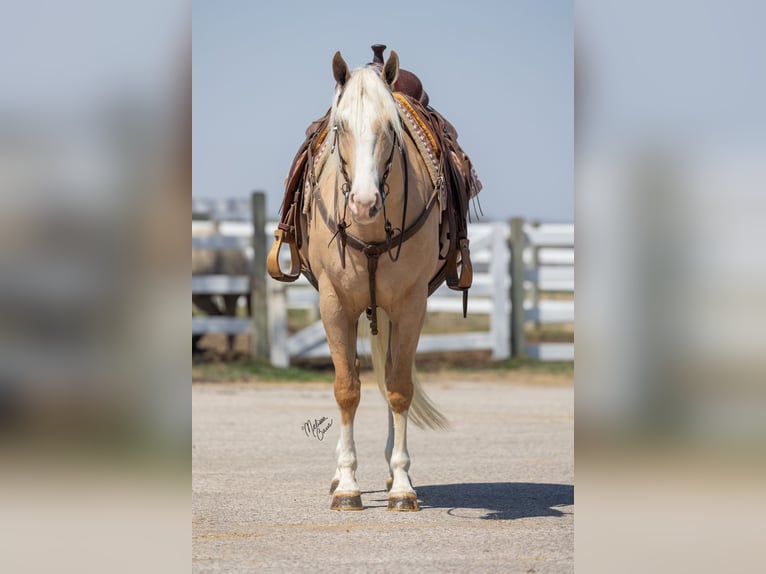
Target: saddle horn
377, 51
406, 82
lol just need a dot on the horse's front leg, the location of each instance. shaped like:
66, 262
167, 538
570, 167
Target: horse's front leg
341, 337
406, 324
390, 449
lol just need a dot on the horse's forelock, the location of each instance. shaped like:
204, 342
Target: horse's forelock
363, 99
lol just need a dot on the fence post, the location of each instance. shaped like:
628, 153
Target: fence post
499, 319
535, 290
259, 332
518, 339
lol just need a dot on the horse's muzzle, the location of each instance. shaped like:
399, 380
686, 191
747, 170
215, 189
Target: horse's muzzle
365, 211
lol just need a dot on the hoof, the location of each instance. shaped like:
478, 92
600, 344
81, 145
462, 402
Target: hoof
346, 501
334, 485
389, 483
403, 502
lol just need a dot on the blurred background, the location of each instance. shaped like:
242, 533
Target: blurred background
94, 180
670, 177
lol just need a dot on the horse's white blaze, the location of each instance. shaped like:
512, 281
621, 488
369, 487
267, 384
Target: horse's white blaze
346, 452
365, 201
400, 458
359, 110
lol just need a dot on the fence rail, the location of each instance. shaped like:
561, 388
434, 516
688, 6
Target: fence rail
545, 263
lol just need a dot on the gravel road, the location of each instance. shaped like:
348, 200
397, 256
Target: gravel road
496, 490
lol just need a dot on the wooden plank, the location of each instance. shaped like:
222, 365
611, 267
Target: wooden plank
557, 286
228, 325
476, 305
202, 226
220, 242
551, 311
550, 256
552, 278
479, 341
552, 352
312, 343
236, 229
481, 288
220, 284
550, 235
451, 342
481, 235
232, 208
302, 343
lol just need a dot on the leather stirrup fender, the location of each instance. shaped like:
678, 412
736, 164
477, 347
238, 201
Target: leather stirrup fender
272, 261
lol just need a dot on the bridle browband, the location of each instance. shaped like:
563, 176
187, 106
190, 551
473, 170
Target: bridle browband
394, 236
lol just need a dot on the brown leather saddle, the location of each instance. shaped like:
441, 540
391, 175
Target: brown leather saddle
458, 179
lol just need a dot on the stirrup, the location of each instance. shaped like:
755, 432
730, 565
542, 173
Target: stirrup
463, 281
282, 235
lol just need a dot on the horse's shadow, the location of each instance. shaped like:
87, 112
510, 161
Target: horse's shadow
498, 500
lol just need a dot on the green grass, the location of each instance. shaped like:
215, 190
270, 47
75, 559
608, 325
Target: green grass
256, 371
552, 367
515, 365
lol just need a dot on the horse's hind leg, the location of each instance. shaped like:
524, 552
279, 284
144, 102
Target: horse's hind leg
341, 336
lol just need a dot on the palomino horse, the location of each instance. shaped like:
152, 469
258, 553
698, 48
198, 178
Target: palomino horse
374, 174
362, 214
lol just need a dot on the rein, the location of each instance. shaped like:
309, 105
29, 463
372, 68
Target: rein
373, 250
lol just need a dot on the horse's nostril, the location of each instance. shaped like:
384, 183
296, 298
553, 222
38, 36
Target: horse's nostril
373, 211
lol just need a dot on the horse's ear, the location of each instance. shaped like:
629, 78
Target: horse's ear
391, 69
340, 69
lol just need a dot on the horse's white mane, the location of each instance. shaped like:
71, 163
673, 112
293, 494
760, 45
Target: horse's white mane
365, 98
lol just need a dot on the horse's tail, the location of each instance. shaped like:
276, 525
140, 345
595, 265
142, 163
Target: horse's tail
422, 411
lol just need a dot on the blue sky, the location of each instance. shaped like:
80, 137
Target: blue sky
501, 72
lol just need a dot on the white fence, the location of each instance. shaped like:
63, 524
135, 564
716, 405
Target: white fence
548, 256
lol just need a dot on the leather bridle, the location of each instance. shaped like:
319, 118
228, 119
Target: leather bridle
383, 188
394, 236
